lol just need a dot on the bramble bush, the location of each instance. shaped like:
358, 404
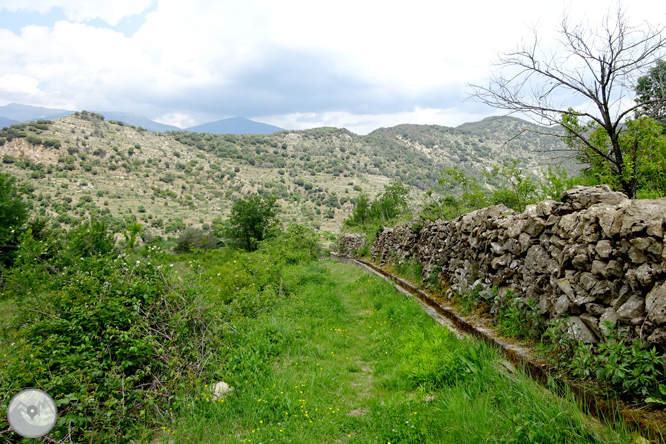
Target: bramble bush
116, 340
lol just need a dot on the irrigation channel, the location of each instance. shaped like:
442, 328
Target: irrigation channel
444, 313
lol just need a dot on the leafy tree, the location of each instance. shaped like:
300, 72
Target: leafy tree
296, 244
597, 67
13, 215
193, 238
392, 202
252, 220
361, 213
458, 193
642, 150
519, 189
651, 90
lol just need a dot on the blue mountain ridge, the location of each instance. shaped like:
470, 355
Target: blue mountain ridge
5, 122
235, 125
18, 113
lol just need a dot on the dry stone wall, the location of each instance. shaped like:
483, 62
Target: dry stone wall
596, 256
350, 244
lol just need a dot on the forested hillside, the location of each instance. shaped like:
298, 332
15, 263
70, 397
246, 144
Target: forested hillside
84, 165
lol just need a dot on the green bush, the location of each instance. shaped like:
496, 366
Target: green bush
195, 238
115, 341
628, 366
13, 215
297, 244
91, 238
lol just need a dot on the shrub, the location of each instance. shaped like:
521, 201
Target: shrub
13, 215
115, 342
90, 238
34, 140
195, 238
297, 244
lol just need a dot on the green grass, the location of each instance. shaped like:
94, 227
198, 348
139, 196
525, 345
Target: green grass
346, 358
6, 312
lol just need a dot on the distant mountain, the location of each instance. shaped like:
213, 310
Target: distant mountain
4, 122
27, 113
17, 113
137, 120
235, 125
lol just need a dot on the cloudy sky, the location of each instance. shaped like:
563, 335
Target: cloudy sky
359, 64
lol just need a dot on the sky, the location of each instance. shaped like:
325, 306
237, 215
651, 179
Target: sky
296, 64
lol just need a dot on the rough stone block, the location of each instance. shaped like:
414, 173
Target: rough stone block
655, 304
631, 309
581, 332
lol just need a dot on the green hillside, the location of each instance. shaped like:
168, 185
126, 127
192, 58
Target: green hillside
84, 165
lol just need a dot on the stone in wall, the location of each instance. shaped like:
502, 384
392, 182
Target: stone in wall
595, 256
349, 244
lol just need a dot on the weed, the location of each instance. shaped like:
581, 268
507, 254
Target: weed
630, 367
519, 319
410, 269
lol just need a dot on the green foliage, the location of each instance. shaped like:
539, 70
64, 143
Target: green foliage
458, 193
195, 238
392, 202
361, 214
632, 164
651, 90
434, 357
90, 238
632, 368
131, 233
13, 215
409, 268
252, 220
388, 205
115, 341
556, 181
519, 189
518, 319
297, 244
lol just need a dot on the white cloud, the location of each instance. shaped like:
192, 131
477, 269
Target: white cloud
365, 123
82, 10
177, 119
189, 58
17, 83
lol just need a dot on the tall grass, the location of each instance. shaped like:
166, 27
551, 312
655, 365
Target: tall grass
346, 358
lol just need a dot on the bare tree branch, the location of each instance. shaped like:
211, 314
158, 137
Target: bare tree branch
600, 66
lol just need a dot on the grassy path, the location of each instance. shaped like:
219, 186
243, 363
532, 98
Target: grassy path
346, 358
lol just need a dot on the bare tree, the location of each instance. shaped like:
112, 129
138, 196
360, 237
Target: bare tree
599, 66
